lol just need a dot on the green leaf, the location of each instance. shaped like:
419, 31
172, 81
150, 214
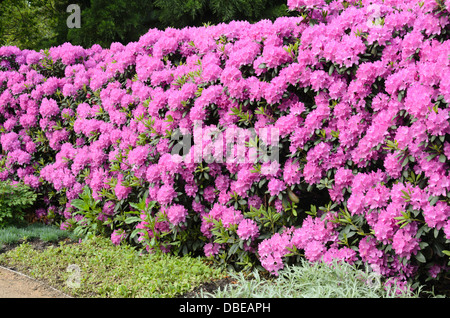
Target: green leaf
419, 256
292, 196
261, 183
80, 204
132, 219
405, 162
433, 200
151, 204
234, 248
436, 233
331, 70
262, 65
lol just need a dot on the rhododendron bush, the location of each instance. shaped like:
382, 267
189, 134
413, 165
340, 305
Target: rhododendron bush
345, 107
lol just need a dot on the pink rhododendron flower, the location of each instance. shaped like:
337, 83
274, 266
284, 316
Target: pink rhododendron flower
211, 249
393, 165
117, 236
138, 155
49, 107
276, 186
437, 123
10, 141
273, 250
292, 173
166, 194
404, 243
438, 215
345, 254
121, 191
230, 216
247, 229
176, 214
447, 229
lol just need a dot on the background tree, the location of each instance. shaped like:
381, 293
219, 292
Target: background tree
180, 13
28, 24
38, 24
104, 22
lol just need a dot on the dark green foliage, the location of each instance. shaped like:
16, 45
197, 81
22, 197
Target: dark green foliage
104, 22
90, 209
28, 24
14, 200
179, 13
39, 24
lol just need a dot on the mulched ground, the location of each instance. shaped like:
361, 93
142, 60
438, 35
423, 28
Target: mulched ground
36, 243
208, 287
14, 284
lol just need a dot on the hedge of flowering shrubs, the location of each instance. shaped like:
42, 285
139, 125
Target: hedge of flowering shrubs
356, 94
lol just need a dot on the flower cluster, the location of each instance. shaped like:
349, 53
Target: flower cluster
356, 95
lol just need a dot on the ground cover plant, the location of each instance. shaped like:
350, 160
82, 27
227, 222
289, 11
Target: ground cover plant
323, 136
312, 280
97, 268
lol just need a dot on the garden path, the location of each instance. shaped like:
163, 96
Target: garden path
17, 285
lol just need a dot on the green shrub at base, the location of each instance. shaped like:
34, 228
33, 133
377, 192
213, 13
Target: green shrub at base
14, 200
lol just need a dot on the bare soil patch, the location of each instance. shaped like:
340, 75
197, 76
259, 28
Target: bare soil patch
14, 284
17, 285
